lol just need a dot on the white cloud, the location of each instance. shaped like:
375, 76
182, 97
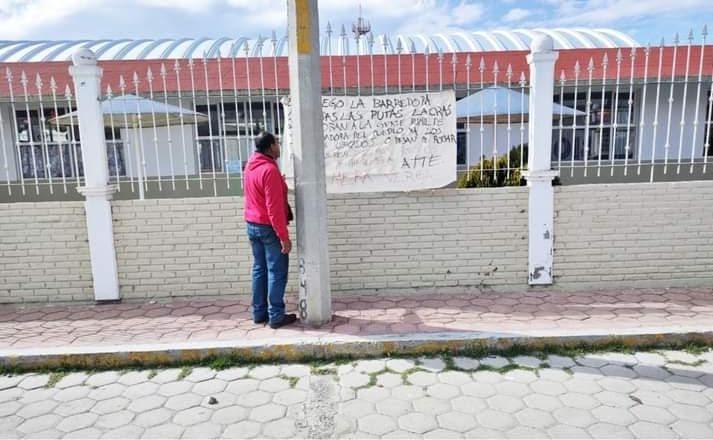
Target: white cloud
598, 12
187, 5
516, 14
466, 13
19, 18
58, 19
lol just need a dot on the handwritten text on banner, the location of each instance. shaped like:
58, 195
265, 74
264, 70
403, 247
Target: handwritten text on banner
398, 142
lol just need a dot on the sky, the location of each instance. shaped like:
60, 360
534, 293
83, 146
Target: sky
648, 21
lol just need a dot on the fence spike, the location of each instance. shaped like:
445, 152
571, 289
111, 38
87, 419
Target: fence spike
108, 91
53, 84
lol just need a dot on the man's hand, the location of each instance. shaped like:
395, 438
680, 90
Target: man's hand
286, 246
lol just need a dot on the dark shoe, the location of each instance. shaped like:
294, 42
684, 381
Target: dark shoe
260, 321
286, 320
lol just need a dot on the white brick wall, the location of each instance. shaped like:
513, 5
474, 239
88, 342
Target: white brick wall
605, 236
429, 239
634, 234
181, 247
392, 242
44, 254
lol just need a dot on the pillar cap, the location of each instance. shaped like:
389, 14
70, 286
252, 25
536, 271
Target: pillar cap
84, 57
542, 43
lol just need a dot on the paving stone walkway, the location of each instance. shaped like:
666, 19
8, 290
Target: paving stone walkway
532, 312
666, 394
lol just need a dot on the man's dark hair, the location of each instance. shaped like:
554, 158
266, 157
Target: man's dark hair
264, 141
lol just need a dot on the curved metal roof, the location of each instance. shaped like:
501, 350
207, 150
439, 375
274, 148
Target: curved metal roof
332, 43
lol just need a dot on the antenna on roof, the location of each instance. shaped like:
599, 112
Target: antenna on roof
360, 26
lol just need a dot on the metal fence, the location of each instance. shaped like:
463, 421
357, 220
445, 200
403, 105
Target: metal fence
185, 127
644, 114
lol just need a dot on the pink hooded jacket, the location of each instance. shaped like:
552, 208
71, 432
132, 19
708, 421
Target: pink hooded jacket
266, 195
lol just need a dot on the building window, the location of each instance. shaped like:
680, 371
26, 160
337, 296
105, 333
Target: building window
47, 150
461, 144
226, 139
603, 134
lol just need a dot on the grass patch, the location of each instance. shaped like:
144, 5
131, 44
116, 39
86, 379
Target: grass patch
55, 377
291, 380
221, 363
407, 373
450, 363
696, 349
477, 349
697, 363
323, 371
184, 373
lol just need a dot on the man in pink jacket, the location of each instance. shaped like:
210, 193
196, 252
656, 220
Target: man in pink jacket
267, 214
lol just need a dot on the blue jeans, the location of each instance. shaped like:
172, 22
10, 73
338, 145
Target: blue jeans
269, 274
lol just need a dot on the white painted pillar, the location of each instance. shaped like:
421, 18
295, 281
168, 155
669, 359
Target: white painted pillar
96, 189
539, 175
315, 304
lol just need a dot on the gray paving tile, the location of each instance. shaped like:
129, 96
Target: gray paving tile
417, 423
456, 421
377, 424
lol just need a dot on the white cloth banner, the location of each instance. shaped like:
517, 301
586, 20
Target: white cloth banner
401, 142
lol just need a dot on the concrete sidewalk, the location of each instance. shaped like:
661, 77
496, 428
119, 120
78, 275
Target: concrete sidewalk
165, 332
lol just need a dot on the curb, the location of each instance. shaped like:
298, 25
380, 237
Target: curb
334, 348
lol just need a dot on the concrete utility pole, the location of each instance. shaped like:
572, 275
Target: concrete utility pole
308, 145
